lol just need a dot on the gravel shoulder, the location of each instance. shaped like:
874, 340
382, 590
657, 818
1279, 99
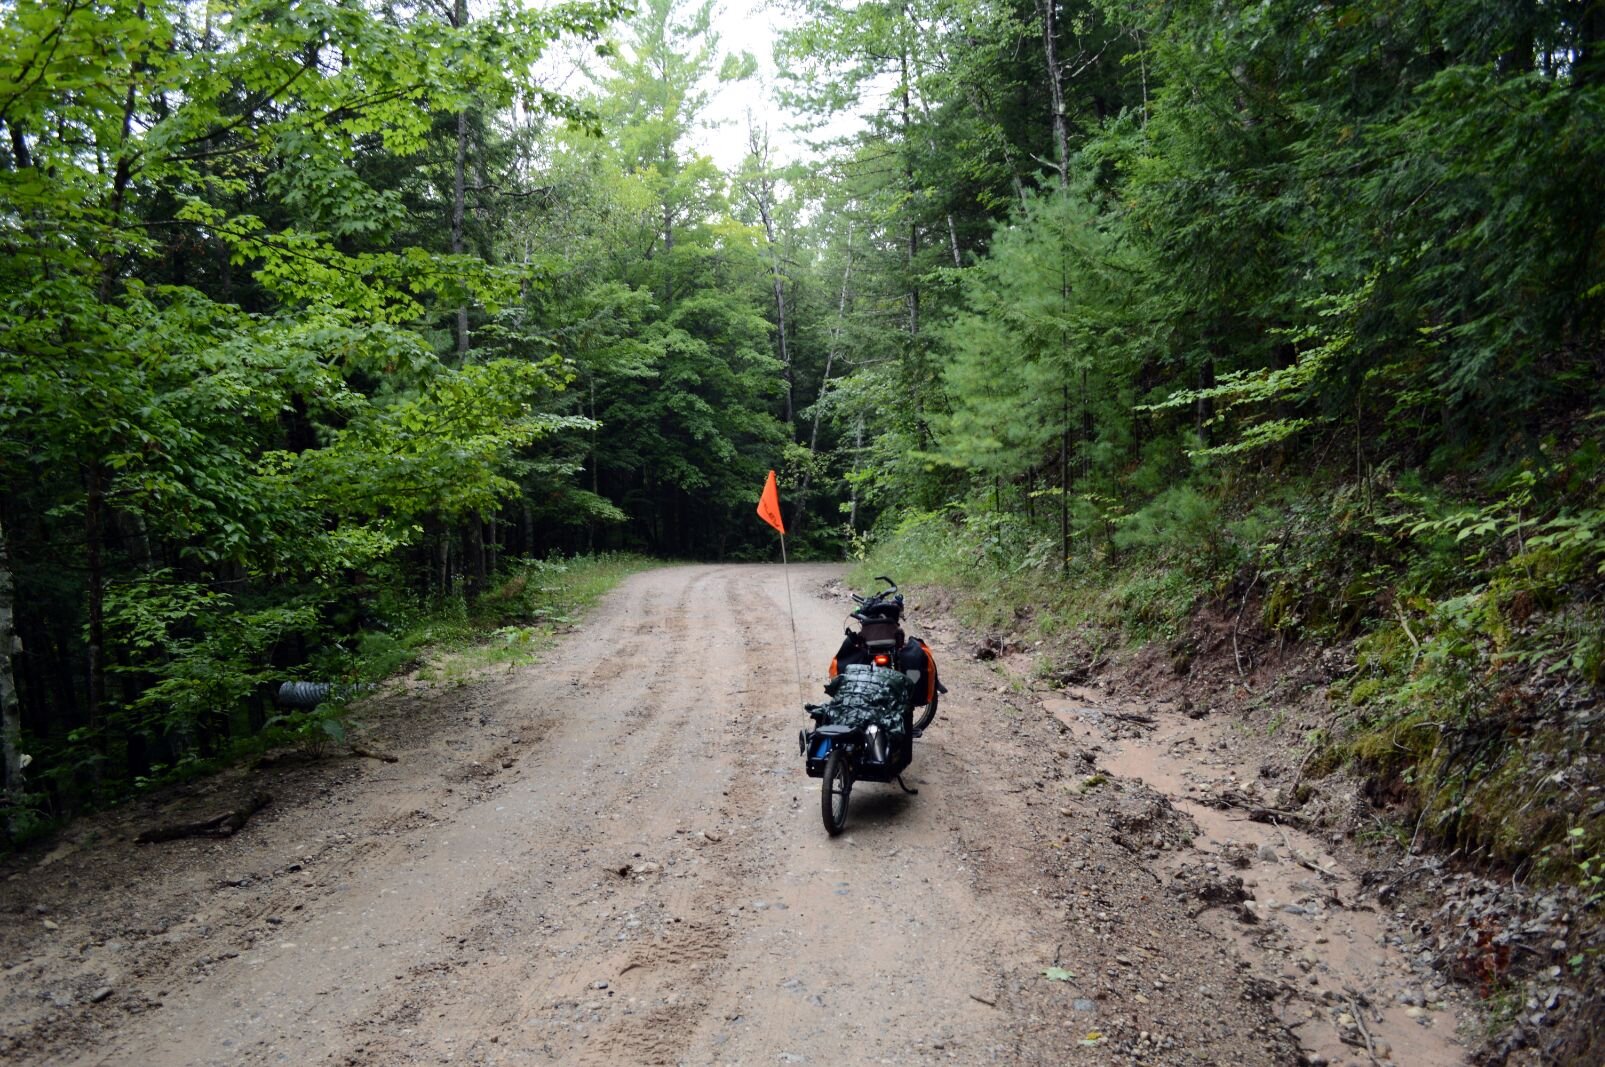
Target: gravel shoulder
614, 856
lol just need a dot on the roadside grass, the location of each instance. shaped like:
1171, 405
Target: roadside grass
1474, 620
453, 643
999, 577
1462, 631
512, 623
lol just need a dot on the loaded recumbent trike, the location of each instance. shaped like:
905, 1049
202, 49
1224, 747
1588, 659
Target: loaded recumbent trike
883, 693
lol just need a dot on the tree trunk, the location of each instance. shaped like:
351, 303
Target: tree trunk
762, 192
596, 474
777, 281
121, 176
94, 538
459, 191
785, 356
443, 561
10, 710
913, 225
1204, 410
43, 665
21, 159
668, 248
94, 499
930, 138
677, 519
134, 537
824, 382
1590, 68
1050, 47
1064, 486
474, 550
858, 447
835, 337
1087, 428
1520, 57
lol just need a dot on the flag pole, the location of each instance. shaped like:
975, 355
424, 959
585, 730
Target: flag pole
769, 511
796, 657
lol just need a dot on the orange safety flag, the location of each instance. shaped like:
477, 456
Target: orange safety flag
769, 504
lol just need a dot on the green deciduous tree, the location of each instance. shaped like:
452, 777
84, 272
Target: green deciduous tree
215, 356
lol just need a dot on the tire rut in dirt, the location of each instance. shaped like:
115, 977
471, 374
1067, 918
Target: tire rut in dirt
464, 903
632, 780
675, 977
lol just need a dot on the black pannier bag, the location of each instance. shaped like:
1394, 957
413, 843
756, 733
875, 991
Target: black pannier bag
849, 654
918, 665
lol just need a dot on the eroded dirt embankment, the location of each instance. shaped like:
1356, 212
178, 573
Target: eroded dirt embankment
1380, 941
1337, 962
614, 857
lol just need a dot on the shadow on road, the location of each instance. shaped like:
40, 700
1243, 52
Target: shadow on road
877, 809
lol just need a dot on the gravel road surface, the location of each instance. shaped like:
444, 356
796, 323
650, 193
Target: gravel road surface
614, 857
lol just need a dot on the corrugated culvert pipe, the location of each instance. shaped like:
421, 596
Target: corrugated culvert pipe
308, 695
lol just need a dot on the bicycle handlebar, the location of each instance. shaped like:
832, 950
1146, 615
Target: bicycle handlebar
889, 595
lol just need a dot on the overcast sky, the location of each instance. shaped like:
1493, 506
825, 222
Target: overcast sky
741, 26
747, 26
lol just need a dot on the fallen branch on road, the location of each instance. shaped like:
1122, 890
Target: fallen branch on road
1131, 716
223, 825
1258, 812
1356, 1002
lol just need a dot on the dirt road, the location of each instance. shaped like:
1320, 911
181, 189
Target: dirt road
614, 857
